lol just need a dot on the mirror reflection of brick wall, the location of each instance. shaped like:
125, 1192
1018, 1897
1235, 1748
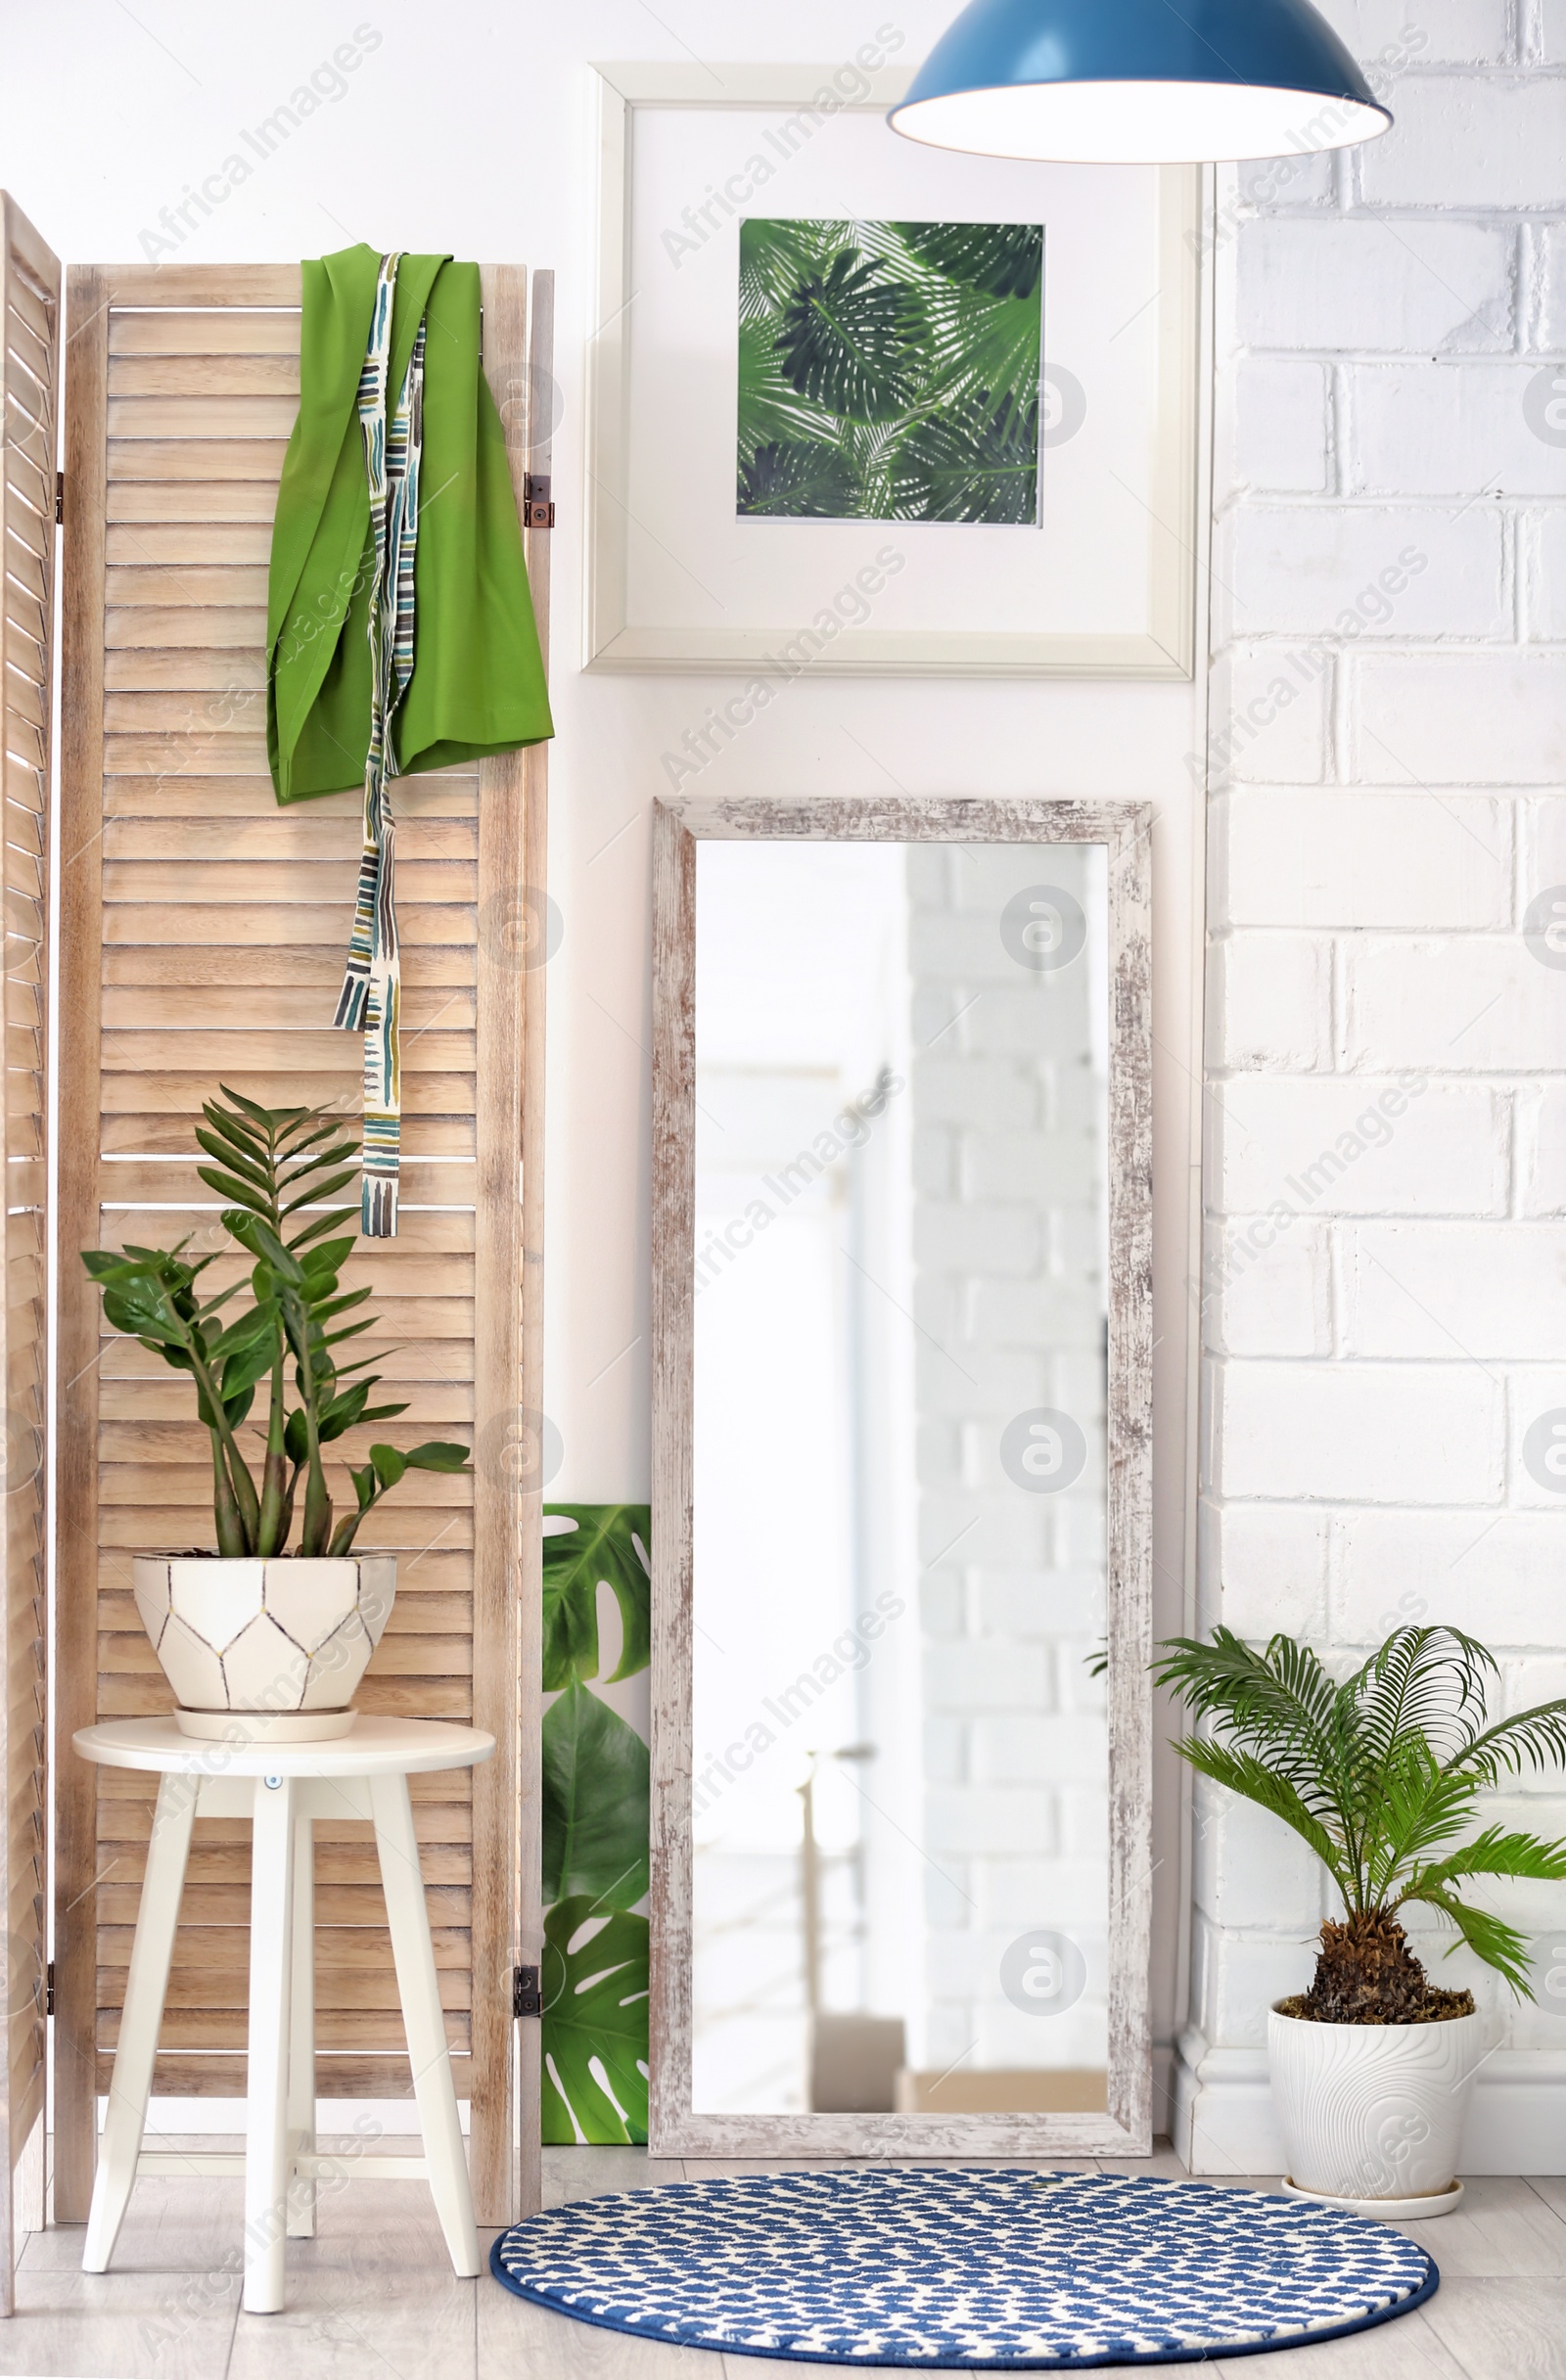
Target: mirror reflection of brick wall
1008, 1091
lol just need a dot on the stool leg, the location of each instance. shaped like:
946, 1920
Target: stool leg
302, 2032
142, 2016
409, 1919
267, 2160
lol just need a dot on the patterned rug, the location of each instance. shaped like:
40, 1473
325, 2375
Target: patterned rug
960, 2269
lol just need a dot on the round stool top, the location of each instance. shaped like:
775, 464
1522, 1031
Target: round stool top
372, 1748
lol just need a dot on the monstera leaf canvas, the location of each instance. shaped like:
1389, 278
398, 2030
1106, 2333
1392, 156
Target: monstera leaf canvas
607, 1545
594, 2024
595, 1802
595, 1827
890, 371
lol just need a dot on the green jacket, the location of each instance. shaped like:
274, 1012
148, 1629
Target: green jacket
477, 683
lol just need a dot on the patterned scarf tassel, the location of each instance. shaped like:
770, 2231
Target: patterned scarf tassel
370, 999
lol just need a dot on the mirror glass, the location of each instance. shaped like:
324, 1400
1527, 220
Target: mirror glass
899, 1797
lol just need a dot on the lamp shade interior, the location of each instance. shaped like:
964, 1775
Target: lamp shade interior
1134, 81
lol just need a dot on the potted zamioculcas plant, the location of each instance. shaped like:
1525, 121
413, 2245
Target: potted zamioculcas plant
282, 1631
1382, 1774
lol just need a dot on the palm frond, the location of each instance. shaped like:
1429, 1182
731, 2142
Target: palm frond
1537, 1736
771, 412
777, 253
1418, 1807
983, 343
1243, 1774
978, 462
1496, 1853
1490, 1937
1002, 259
1420, 1683
1281, 1699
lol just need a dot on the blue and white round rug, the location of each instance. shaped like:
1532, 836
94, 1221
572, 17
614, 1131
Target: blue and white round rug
955, 2268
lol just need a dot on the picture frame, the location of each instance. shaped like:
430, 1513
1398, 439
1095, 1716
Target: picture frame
673, 583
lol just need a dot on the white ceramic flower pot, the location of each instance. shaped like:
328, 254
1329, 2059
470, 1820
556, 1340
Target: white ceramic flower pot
1374, 2113
284, 1643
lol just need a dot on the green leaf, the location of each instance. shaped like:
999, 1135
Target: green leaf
594, 1978
596, 1802
243, 1370
602, 1549
238, 1136
852, 340
322, 1223
259, 1237
325, 1256
978, 462
267, 1119
1003, 259
797, 479
140, 1317
316, 1192
295, 1441
438, 1455
387, 1465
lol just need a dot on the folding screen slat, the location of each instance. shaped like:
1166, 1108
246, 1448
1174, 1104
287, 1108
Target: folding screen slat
29, 299
202, 938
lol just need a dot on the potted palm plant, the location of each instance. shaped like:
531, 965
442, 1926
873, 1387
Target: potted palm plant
282, 1632
1382, 1775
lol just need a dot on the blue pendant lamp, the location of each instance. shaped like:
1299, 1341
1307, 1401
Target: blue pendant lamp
1140, 82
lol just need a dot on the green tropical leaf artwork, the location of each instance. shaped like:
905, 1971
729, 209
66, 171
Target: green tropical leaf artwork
606, 1546
596, 1810
596, 1802
890, 371
595, 1981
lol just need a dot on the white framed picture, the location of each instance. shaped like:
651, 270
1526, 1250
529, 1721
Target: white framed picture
859, 405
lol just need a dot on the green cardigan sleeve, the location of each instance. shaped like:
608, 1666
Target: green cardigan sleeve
478, 684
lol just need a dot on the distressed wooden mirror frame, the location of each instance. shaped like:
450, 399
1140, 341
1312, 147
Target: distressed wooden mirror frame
676, 2128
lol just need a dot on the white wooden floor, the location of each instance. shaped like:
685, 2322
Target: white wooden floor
373, 2297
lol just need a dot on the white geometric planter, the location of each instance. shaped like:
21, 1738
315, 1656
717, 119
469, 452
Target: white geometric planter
1373, 2114
284, 1642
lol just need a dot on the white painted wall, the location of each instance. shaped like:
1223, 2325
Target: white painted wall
1383, 1310
467, 127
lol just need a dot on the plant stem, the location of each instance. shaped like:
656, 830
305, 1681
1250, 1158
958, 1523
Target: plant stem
226, 1506
241, 1488
276, 1504
317, 1531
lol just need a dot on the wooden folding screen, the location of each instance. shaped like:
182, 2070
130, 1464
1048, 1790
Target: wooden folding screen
29, 295
203, 935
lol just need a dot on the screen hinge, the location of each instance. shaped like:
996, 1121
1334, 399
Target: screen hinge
49, 1988
60, 496
526, 1997
537, 511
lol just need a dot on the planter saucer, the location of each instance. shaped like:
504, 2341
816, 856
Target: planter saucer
1385, 2210
265, 1727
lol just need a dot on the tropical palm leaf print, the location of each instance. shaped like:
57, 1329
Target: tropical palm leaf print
890, 371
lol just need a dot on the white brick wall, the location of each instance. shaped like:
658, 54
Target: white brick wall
1007, 1243
1384, 1286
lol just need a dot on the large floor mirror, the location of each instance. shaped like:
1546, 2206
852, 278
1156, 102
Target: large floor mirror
902, 1478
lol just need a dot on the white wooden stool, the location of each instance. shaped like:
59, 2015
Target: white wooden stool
283, 1788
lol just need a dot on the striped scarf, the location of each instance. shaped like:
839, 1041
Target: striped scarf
371, 995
